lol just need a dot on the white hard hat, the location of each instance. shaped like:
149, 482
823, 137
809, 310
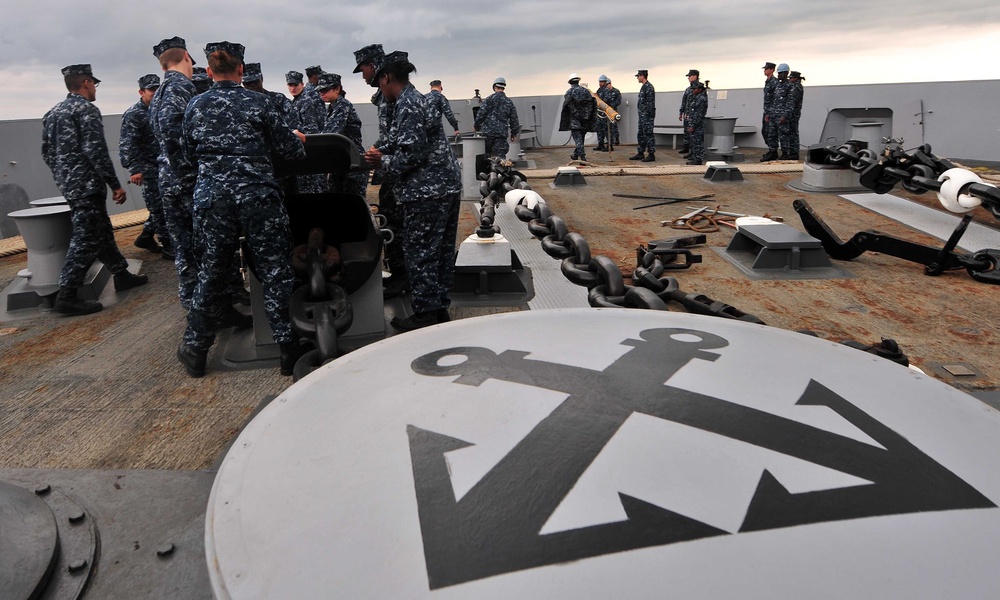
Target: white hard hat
573, 76
500, 81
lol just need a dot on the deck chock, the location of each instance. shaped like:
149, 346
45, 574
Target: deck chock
568, 176
777, 251
722, 171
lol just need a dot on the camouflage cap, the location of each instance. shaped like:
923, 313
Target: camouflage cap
327, 81
199, 74
149, 82
293, 77
79, 70
642, 72
768, 65
251, 72
231, 48
698, 86
317, 70
167, 44
436, 83
795, 75
387, 60
692, 72
367, 54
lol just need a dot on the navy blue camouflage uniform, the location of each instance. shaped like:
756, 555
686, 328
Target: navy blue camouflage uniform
613, 98
646, 107
697, 108
781, 109
342, 118
388, 205
578, 114
74, 148
428, 188
231, 132
137, 150
177, 176
309, 116
497, 120
769, 129
795, 94
683, 114
437, 103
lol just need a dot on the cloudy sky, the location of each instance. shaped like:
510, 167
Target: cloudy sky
534, 44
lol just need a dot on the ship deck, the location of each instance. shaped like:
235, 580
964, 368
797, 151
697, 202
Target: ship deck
105, 391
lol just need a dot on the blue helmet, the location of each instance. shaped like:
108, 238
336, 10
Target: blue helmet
783, 68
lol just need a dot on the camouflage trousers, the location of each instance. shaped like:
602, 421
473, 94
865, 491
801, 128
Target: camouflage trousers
602, 132
578, 136
431, 225
769, 129
393, 213
219, 222
154, 204
645, 135
353, 183
685, 123
312, 184
786, 136
497, 146
92, 238
696, 143
177, 211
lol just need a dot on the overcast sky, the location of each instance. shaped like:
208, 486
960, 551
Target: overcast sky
534, 44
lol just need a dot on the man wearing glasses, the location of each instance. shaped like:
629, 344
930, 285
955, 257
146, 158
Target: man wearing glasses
74, 148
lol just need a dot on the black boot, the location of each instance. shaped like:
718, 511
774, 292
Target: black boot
769, 155
600, 148
68, 303
685, 150
291, 352
693, 162
638, 156
126, 281
443, 316
572, 157
583, 157
193, 359
394, 286
147, 242
415, 321
651, 157
168, 251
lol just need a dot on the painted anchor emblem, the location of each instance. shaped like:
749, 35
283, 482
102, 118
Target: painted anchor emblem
494, 528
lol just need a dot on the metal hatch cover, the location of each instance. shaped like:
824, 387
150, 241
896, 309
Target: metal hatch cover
599, 453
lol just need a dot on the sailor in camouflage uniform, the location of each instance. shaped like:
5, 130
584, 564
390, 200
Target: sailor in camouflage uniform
496, 119
682, 115
177, 175
578, 114
428, 187
398, 281
697, 108
646, 107
202, 82
768, 130
342, 118
610, 95
776, 113
253, 80
231, 133
781, 109
308, 116
312, 77
441, 106
74, 148
137, 150
795, 93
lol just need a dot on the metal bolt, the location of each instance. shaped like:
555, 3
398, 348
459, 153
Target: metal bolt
165, 550
43, 489
77, 565
77, 516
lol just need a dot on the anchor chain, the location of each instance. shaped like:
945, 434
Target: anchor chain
605, 284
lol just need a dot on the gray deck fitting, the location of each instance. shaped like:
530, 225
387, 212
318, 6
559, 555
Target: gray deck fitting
777, 251
723, 173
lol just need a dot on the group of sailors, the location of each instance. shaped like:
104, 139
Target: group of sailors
782, 109
204, 161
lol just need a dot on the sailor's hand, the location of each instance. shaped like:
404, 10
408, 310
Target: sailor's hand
136, 179
373, 157
300, 135
118, 195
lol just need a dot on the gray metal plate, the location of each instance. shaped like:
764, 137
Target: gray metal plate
608, 453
